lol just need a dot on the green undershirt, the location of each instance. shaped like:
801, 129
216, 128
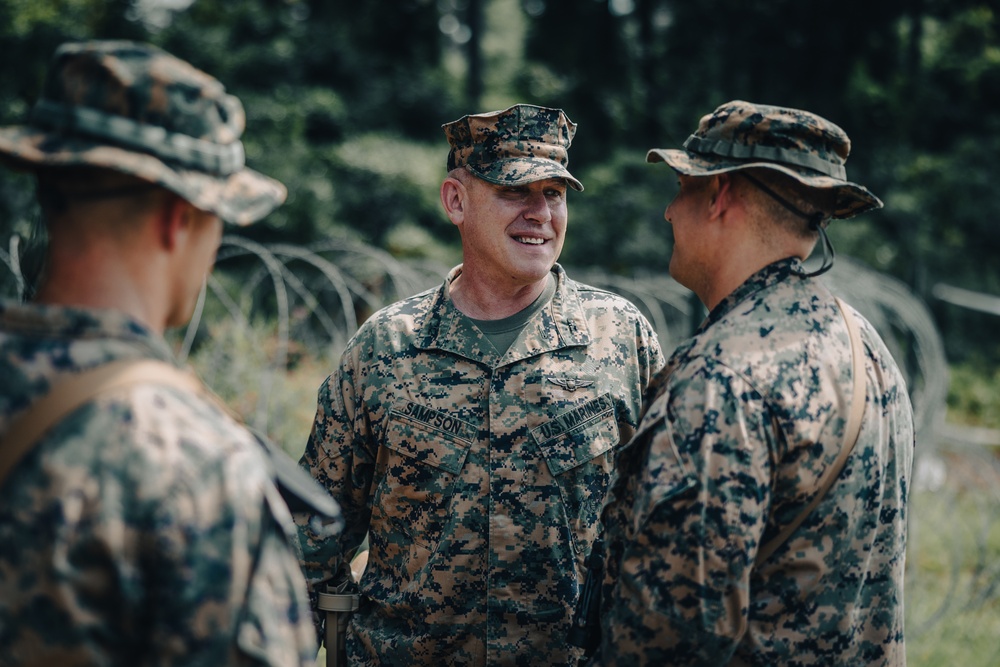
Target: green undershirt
502, 333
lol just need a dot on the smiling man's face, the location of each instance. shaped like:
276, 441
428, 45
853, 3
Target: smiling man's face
514, 233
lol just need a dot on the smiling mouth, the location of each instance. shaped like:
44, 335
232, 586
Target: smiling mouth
529, 240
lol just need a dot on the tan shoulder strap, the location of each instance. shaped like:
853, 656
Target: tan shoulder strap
74, 391
851, 433
300, 491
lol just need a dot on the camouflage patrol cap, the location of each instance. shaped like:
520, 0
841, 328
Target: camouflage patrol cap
741, 135
519, 145
136, 109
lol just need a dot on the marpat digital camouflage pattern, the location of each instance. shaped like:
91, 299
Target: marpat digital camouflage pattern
144, 529
480, 476
740, 427
741, 135
136, 109
519, 145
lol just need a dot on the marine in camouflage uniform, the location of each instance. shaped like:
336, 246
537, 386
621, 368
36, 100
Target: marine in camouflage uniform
744, 421
480, 471
148, 526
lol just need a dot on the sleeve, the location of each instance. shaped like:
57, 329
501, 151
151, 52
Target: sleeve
651, 358
224, 585
701, 506
340, 455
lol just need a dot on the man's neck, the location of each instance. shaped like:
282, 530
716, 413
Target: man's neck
103, 282
483, 300
733, 278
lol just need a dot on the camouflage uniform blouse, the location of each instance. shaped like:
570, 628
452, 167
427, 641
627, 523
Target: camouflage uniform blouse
741, 424
144, 529
480, 476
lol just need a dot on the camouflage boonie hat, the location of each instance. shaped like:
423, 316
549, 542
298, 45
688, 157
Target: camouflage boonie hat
741, 135
519, 145
136, 109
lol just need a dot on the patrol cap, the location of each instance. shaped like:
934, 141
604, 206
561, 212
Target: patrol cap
516, 146
136, 109
741, 135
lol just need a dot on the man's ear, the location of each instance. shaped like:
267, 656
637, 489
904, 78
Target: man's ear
720, 194
172, 220
454, 197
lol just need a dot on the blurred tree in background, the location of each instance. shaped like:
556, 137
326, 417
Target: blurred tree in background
345, 102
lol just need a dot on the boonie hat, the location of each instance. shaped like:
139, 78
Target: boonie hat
741, 135
516, 146
136, 109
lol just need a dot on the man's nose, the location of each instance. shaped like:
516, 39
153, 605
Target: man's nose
537, 208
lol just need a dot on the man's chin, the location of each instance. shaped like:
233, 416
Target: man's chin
536, 272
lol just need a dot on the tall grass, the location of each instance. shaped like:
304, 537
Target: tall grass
953, 563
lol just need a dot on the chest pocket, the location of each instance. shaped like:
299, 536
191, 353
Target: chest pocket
429, 436
424, 451
578, 446
578, 435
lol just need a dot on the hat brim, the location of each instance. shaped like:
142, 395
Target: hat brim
851, 199
523, 170
241, 198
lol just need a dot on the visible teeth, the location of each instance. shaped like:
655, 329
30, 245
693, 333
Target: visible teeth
530, 240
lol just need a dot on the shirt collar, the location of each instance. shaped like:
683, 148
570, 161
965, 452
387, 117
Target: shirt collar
561, 323
80, 324
771, 274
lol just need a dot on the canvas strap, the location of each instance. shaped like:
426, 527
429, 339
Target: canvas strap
851, 433
300, 491
72, 392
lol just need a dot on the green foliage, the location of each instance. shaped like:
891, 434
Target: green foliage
409, 241
238, 363
953, 613
617, 221
383, 181
974, 395
323, 81
30, 31
345, 102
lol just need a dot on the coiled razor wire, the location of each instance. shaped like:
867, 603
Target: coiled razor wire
332, 282
12, 260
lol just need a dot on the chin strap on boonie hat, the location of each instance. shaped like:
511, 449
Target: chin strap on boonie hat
817, 221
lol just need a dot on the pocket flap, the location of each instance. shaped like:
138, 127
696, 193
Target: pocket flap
430, 436
576, 436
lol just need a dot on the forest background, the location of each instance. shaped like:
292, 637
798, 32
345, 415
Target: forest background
345, 100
